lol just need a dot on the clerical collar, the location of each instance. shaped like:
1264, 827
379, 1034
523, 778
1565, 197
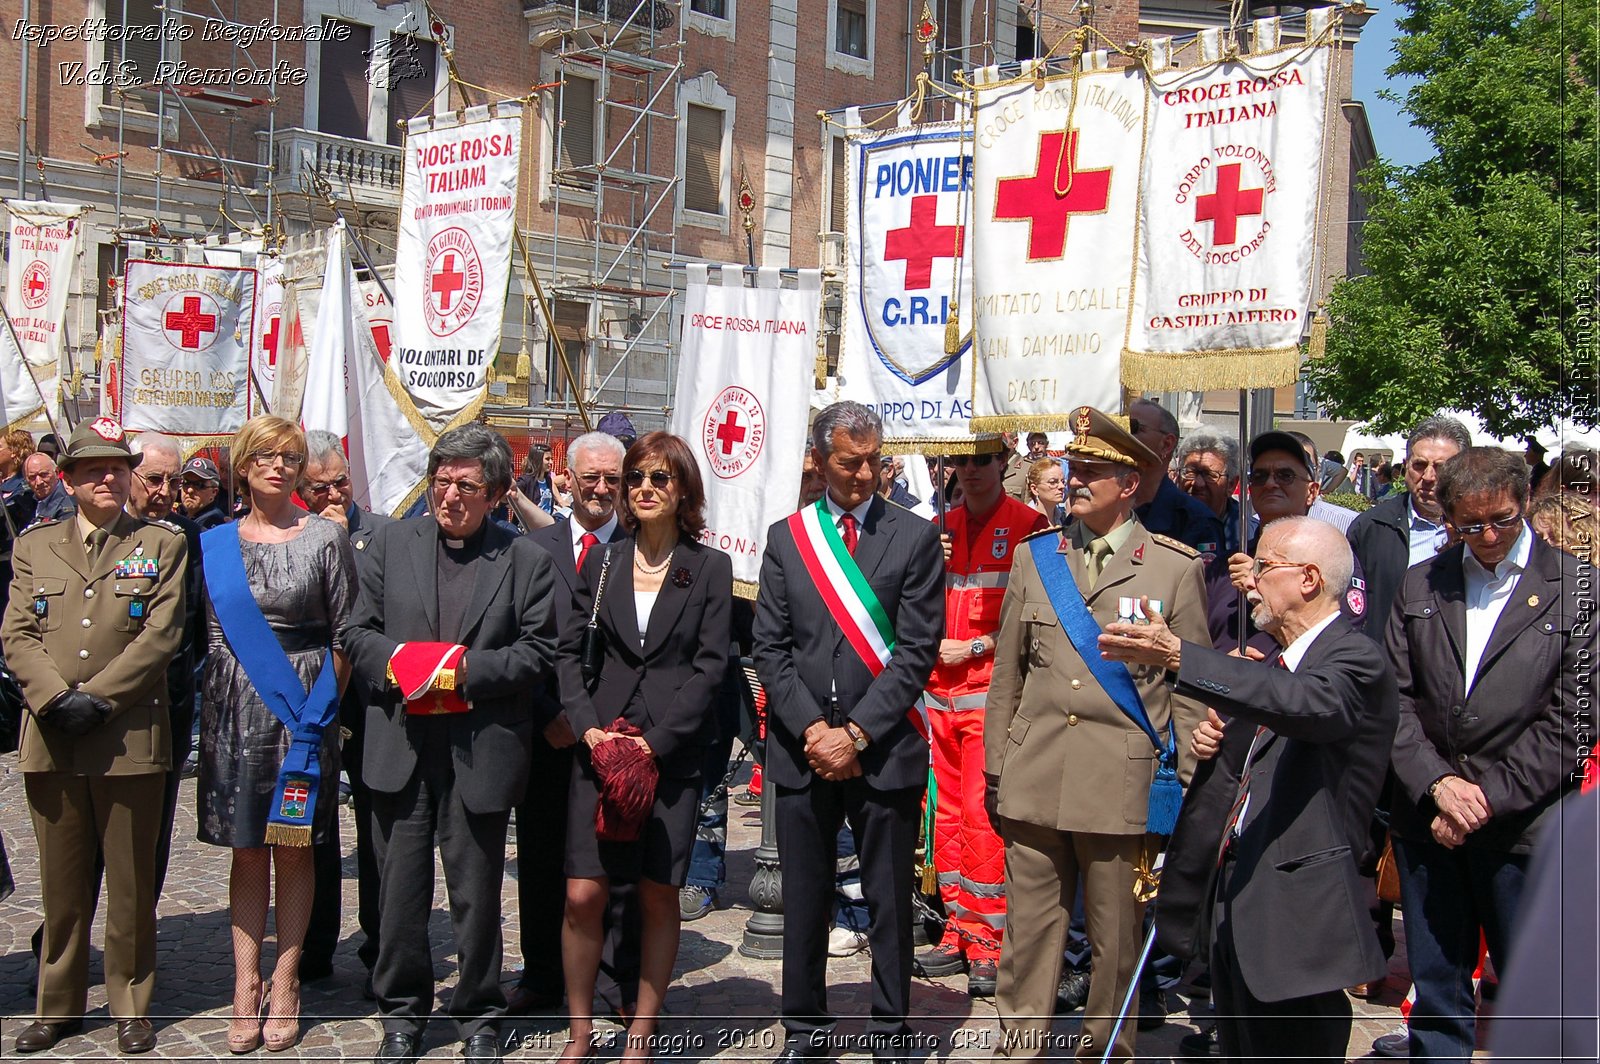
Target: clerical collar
472, 541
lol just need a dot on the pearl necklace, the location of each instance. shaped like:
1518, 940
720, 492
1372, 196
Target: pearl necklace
638, 563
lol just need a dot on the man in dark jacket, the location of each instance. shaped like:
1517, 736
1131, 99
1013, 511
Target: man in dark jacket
1162, 506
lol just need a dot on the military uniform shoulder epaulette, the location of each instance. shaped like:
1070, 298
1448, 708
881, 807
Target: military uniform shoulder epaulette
43, 522
1049, 530
1176, 544
161, 522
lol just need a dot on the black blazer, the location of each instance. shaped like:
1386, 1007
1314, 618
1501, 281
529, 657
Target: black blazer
803, 660
1314, 781
1516, 734
508, 630
1381, 540
557, 540
667, 686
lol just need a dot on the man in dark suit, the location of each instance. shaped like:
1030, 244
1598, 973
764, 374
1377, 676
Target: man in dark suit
844, 741
595, 459
447, 759
1406, 529
326, 491
1289, 924
1493, 662
1162, 507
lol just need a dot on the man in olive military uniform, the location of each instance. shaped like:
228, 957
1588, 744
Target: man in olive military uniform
96, 613
1069, 773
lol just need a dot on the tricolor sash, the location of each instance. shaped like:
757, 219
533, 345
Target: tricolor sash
303, 714
1166, 793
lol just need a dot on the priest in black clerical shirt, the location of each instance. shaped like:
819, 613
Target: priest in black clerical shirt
455, 626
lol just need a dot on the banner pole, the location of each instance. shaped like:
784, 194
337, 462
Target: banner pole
1244, 502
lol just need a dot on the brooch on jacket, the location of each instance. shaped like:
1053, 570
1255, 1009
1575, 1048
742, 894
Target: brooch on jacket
681, 576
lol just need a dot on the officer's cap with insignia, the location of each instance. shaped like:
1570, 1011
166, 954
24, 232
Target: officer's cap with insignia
103, 437
1102, 437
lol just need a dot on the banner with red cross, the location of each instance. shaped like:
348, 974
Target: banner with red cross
44, 240
1055, 197
457, 212
1232, 185
908, 279
269, 330
187, 330
745, 371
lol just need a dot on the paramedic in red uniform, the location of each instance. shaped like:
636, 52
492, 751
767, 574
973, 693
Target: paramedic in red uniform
967, 854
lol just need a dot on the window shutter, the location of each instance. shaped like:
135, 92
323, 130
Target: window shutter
343, 93
571, 325
412, 64
702, 160
144, 52
576, 113
839, 201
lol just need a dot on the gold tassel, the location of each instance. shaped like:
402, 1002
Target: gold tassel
489, 375
930, 879
524, 364
288, 835
1318, 344
821, 368
952, 331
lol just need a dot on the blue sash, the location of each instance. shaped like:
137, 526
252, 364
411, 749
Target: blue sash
304, 715
1166, 793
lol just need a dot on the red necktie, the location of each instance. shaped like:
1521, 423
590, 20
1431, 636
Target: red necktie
847, 531
587, 540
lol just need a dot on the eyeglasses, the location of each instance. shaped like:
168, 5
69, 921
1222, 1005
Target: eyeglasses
289, 458
320, 486
1501, 523
659, 478
592, 480
1282, 477
1190, 474
467, 489
1260, 566
156, 480
960, 461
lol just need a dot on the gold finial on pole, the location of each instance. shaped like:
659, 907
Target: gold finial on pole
927, 34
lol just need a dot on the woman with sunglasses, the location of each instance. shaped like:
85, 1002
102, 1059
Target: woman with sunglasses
296, 571
1047, 489
664, 601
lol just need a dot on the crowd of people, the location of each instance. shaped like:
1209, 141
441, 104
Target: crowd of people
1106, 704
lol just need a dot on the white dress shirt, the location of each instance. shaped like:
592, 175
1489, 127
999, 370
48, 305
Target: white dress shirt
1426, 537
1297, 650
1487, 595
603, 533
838, 512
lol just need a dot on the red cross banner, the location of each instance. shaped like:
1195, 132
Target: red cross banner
457, 210
1055, 195
744, 374
908, 279
269, 330
1232, 185
187, 330
41, 261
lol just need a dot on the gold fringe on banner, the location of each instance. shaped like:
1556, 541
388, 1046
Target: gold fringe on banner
1023, 423
411, 498
745, 589
937, 446
1199, 371
288, 835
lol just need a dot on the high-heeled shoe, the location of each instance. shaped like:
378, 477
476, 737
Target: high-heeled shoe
275, 1041
244, 1032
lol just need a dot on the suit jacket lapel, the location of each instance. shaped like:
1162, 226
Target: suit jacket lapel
490, 573
425, 562
872, 544
616, 599
672, 599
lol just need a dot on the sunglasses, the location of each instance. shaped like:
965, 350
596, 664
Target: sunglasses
659, 478
1281, 477
592, 480
960, 461
1502, 524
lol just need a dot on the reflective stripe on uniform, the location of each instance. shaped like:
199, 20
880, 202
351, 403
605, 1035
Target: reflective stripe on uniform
983, 890
972, 581
958, 702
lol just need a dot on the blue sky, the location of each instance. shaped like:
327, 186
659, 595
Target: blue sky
1396, 140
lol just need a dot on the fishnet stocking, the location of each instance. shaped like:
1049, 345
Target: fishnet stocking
249, 886
247, 896
296, 883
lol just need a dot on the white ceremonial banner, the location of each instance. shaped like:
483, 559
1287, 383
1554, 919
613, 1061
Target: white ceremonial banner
304, 261
908, 277
1056, 185
1232, 190
186, 335
380, 316
43, 245
457, 213
268, 331
347, 394
111, 370
747, 361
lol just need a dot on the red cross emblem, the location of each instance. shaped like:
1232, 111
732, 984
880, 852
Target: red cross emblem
922, 240
729, 433
447, 282
35, 285
1224, 207
190, 323
380, 336
1034, 198
269, 341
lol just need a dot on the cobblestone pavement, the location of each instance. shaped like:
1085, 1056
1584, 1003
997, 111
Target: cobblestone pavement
722, 1005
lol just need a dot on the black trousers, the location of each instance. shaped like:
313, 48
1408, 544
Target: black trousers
1301, 1029
425, 813
885, 824
541, 884
322, 934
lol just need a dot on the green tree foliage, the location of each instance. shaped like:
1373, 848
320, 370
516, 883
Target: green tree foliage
1482, 260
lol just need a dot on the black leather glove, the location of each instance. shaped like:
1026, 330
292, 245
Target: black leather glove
75, 712
991, 801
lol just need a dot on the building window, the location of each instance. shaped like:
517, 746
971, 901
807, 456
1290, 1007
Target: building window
711, 8
344, 102
129, 60
413, 66
850, 29
714, 18
574, 142
134, 60
952, 40
838, 184
702, 160
572, 327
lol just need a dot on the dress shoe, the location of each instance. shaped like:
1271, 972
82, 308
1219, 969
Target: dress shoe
1366, 991
1072, 993
398, 1049
135, 1036
982, 976
485, 1045
797, 1054
1200, 1045
38, 1037
522, 999
1395, 1045
1152, 1009
944, 959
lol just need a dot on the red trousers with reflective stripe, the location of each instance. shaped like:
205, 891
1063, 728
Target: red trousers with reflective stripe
967, 854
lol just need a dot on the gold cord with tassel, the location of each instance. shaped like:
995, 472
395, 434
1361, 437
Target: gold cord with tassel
1318, 344
524, 363
952, 331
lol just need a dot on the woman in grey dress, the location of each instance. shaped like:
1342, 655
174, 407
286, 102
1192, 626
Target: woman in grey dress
301, 571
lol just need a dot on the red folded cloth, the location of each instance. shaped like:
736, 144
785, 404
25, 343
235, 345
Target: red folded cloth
627, 776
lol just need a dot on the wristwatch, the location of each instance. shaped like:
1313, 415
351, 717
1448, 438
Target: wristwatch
858, 738
978, 649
